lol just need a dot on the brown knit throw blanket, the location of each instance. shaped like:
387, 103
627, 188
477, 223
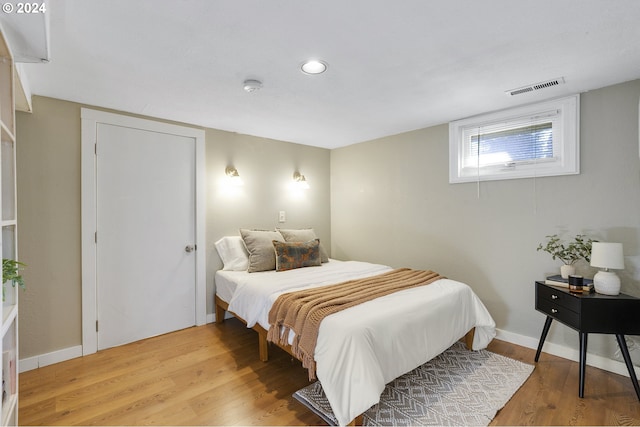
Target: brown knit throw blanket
302, 311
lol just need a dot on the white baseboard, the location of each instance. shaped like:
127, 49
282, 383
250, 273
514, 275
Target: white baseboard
42, 360
566, 352
36, 362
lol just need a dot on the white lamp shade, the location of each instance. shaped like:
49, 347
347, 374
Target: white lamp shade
607, 255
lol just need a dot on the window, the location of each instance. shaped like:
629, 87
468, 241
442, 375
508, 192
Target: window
523, 142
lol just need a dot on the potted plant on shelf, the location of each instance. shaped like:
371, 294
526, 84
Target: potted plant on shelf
569, 254
11, 273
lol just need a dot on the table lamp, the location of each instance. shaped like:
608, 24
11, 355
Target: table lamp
607, 255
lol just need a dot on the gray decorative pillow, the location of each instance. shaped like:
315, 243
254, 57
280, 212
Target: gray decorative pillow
259, 244
303, 235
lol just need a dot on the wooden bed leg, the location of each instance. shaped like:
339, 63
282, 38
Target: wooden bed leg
357, 421
263, 345
219, 311
468, 338
219, 315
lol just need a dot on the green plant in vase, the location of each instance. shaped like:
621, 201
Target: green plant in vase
568, 253
11, 273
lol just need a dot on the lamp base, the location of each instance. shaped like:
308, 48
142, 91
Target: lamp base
606, 283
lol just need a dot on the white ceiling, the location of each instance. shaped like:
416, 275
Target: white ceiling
394, 66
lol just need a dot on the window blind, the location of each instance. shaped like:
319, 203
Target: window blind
523, 144
533, 140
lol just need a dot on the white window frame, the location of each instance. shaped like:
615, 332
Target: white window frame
564, 113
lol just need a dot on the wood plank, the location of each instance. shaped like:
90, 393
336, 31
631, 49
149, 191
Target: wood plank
212, 375
550, 395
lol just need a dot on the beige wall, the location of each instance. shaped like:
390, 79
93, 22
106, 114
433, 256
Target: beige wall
389, 201
392, 203
266, 167
48, 156
48, 179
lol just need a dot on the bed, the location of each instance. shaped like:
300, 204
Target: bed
364, 347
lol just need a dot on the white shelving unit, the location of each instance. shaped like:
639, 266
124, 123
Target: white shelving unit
9, 236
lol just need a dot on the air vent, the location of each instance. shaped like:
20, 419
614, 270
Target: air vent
536, 86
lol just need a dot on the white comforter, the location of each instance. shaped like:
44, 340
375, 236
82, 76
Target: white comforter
361, 349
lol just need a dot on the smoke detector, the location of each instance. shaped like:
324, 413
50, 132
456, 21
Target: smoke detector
535, 86
252, 85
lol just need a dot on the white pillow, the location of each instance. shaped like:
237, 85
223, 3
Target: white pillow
233, 253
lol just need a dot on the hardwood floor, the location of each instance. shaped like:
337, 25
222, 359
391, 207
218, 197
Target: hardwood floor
211, 375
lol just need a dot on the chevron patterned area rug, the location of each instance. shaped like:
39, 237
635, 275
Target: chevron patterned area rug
459, 387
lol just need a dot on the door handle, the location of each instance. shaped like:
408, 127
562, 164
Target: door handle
189, 248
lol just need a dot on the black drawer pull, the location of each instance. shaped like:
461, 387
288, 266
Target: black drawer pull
554, 311
554, 296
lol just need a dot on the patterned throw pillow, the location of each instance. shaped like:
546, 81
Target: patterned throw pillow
290, 255
303, 235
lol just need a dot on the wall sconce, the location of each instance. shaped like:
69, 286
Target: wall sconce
234, 176
300, 181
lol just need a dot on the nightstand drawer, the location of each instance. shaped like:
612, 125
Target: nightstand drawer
590, 313
559, 312
558, 296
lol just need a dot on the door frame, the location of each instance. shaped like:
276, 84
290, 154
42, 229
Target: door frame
89, 122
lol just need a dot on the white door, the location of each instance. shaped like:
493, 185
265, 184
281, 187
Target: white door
145, 217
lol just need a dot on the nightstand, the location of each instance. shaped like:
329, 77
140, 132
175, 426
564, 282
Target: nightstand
590, 314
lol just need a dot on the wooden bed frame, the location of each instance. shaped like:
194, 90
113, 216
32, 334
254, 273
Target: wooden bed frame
263, 345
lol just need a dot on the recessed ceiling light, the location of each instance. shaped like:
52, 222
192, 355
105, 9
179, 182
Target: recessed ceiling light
313, 66
252, 85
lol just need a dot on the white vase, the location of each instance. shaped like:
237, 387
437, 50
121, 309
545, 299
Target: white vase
566, 270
